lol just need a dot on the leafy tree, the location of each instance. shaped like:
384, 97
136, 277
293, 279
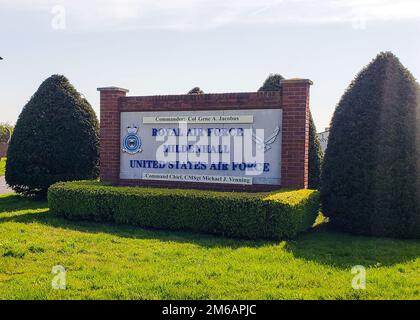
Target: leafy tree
6, 131
273, 83
196, 90
55, 139
371, 172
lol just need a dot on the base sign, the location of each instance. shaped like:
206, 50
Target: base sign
246, 141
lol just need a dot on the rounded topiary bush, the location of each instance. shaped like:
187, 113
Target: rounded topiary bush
56, 138
371, 172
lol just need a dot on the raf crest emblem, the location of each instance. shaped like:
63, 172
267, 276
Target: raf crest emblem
132, 143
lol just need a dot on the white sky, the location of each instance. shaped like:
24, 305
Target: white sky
169, 46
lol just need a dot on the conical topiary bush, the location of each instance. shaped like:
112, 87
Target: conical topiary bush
371, 172
56, 138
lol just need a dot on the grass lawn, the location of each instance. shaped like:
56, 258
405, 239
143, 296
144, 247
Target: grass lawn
122, 262
2, 166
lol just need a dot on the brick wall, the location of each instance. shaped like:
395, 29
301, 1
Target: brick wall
293, 99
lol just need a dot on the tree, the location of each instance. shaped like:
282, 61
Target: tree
56, 138
6, 131
196, 90
273, 83
371, 172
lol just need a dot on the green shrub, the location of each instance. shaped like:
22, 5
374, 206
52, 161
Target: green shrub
371, 173
315, 157
56, 138
269, 215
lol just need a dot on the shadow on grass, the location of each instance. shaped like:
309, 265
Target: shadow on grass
14, 202
320, 245
342, 250
17, 203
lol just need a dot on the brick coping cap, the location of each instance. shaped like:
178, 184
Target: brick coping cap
296, 80
113, 89
204, 95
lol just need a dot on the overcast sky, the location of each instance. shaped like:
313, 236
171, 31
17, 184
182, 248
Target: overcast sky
169, 46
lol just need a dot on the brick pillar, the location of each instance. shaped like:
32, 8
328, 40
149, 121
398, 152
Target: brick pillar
295, 145
110, 133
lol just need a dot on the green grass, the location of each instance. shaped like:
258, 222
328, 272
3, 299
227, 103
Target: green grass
121, 262
2, 166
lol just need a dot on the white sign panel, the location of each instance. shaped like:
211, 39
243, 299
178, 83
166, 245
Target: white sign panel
231, 147
199, 119
196, 178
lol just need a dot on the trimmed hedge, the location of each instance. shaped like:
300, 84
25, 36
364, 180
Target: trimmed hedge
268, 215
